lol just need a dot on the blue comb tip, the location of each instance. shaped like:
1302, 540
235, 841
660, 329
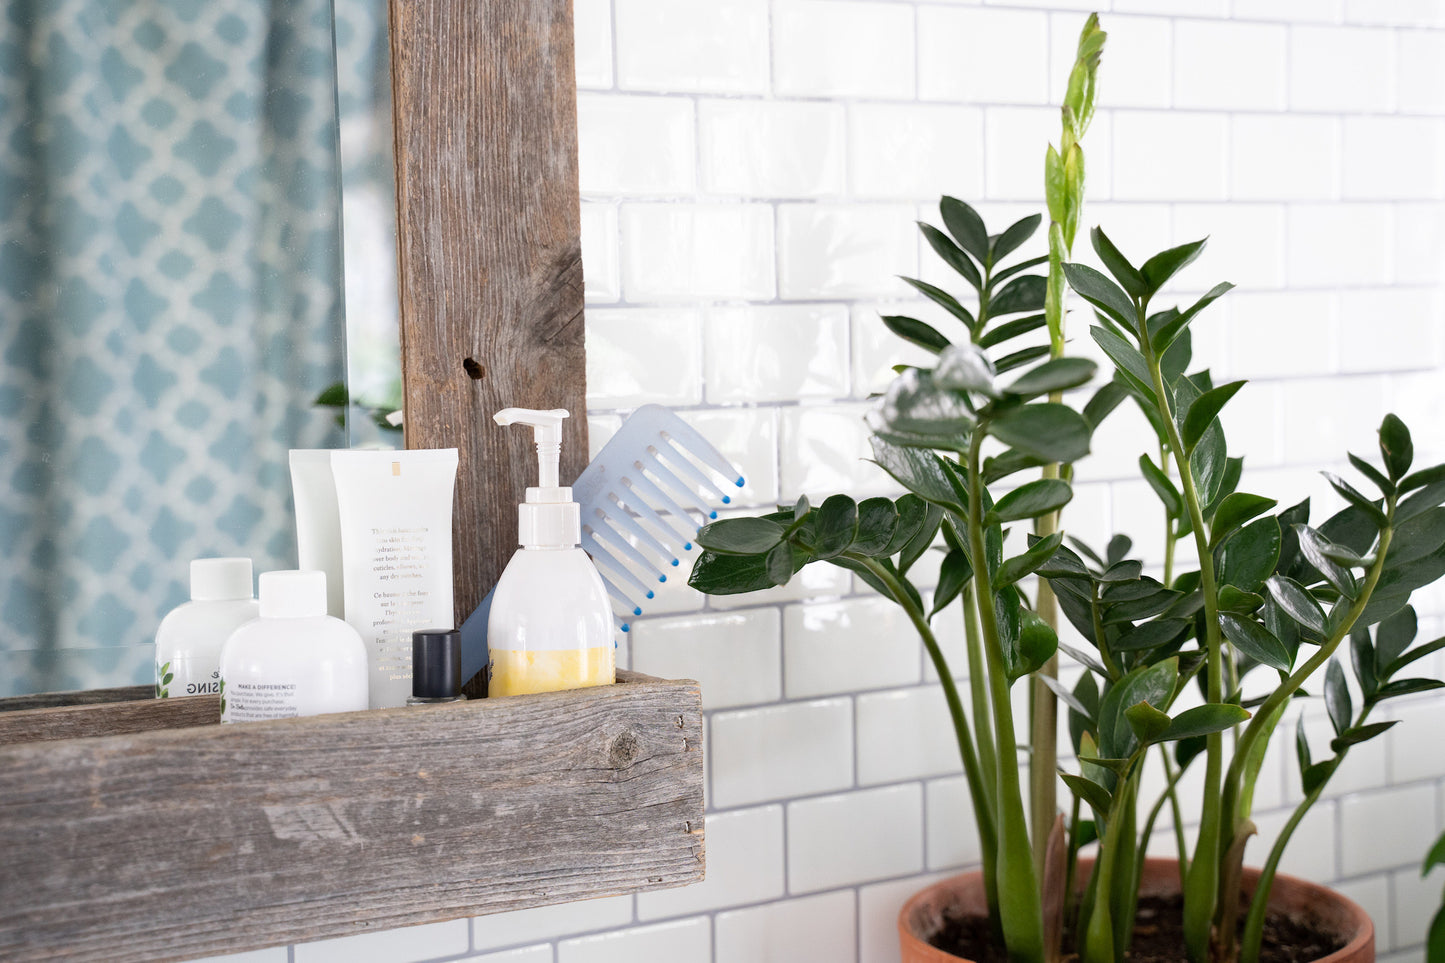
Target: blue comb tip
662, 578
687, 546
625, 628
727, 500
740, 483
637, 610
674, 563
651, 594
712, 514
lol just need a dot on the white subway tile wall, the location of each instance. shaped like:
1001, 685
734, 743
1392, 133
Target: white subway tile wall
751, 171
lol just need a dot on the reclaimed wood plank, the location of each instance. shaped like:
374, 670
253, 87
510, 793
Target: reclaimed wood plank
187, 842
489, 252
80, 697
108, 718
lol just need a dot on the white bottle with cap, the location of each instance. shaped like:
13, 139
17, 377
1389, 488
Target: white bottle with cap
295, 660
551, 623
188, 642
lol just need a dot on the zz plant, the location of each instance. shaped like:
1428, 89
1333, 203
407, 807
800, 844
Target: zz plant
1271, 603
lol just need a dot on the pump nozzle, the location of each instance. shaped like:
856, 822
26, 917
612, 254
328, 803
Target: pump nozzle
547, 426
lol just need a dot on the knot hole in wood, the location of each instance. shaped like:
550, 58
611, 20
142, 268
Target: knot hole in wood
624, 749
474, 371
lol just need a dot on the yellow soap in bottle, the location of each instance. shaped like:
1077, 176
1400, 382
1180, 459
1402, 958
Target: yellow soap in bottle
550, 626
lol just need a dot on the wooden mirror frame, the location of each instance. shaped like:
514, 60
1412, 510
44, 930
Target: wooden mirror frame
489, 248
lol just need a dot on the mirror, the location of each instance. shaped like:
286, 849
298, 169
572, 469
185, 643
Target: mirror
172, 302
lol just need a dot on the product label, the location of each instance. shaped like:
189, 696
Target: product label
403, 602
185, 677
258, 701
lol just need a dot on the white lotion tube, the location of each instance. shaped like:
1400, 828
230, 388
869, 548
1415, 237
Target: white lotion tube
318, 525
396, 555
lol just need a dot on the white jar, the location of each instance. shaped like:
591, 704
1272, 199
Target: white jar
295, 660
188, 642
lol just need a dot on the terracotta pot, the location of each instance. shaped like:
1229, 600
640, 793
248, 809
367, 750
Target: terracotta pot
922, 915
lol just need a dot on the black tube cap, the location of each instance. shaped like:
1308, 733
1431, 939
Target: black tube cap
436, 663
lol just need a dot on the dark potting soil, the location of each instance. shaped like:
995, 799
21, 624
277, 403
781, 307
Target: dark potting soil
1158, 937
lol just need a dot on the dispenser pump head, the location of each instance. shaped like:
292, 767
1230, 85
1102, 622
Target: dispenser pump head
549, 518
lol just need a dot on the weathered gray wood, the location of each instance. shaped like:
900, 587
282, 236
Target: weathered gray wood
188, 842
489, 245
81, 697
108, 718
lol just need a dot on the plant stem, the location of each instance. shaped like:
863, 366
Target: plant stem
1020, 903
978, 690
1044, 732
1202, 880
1166, 796
1179, 844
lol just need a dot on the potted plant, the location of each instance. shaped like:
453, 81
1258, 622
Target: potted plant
1273, 601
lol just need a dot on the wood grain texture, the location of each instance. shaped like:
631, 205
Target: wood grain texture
190, 842
489, 248
108, 718
80, 697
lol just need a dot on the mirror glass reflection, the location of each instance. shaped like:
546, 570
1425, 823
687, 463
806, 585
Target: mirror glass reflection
172, 301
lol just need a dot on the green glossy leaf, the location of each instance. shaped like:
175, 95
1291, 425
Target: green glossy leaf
1102, 293
1404, 687
953, 575
922, 539
1169, 332
1312, 545
1065, 695
1297, 603
1089, 791
1037, 643
1024, 293
1014, 235
998, 334
1362, 660
1422, 478
1046, 430
916, 408
944, 300
1127, 570
1234, 600
1250, 556
1117, 550
1056, 374
1163, 487
912, 511
1377, 479
917, 471
1361, 734
1022, 357
964, 367
1255, 641
1030, 561
1126, 358
334, 396
1204, 410
1396, 447
1151, 635
1435, 857
836, 524
1000, 276
1417, 537
1038, 497
1161, 267
1415, 655
1312, 777
1337, 698
1234, 510
740, 536
781, 563
1393, 637
1357, 499
964, 223
1202, 720
1301, 747
877, 521
1153, 684
918, 332
1108, 397
715, 574
1118, 265
1147, 722
952, 255
1010, 462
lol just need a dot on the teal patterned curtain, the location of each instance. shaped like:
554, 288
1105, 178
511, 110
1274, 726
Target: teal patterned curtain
170, 307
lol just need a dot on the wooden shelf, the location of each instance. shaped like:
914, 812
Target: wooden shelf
192, 839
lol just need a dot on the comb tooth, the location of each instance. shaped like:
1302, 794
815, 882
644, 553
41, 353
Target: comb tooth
657, 496
605, 559
666, 476
625, 523
636, 504
605, 532
693, 441
672, 455
623, 607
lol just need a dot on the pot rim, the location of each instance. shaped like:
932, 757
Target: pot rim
1358, 948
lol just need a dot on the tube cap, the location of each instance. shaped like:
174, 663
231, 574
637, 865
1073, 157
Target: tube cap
220, 579
436, 663
293, 595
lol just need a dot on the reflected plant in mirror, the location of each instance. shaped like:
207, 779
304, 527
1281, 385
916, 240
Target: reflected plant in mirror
171, 302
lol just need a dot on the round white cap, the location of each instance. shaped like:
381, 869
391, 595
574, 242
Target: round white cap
549, 524
293, 595
220, 579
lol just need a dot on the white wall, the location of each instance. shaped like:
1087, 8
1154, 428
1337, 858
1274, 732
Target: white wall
750, 174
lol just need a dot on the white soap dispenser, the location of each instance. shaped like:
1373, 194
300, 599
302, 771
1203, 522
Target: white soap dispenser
189, 639
551, 623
